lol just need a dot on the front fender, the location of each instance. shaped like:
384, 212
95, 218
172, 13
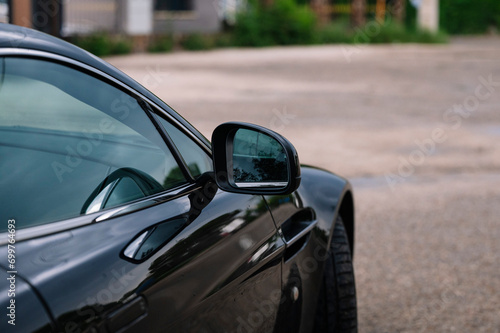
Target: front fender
325, 194
329, 195
305, 219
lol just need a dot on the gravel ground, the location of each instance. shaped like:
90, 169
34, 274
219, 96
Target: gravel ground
416, 130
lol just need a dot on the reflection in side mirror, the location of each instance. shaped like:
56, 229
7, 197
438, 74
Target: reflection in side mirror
254, 160
258, 160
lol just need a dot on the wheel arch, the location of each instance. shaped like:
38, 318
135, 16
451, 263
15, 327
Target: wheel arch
330, 195
346, 211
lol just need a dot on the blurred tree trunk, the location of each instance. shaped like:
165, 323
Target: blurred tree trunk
398, 10
47, 16
21, 13
358, 13
380, 11
321, 8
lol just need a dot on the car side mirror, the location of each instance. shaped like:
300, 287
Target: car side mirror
254, 160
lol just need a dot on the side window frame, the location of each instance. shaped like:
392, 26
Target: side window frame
148, 109
125, 208
168, 141
164, 115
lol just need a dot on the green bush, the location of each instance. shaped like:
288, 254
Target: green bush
161, 44
285, 23
410, 16
248, 31
197, 42
424, 36
375, 33
121, 46
336, 32
469, 16
97, 43
102, 44
390, 32
393, 32
224, 40
281, 23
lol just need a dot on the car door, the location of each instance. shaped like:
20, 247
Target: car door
120, 226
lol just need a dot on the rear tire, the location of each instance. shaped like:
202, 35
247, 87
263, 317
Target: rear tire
337, 309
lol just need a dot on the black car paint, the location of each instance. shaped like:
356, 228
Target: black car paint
229, 267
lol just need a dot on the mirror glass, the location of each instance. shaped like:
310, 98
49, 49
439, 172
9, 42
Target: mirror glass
258, 160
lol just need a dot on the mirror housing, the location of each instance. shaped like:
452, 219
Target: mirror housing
252, 159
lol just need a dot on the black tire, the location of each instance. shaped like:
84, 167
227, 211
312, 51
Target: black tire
337, 310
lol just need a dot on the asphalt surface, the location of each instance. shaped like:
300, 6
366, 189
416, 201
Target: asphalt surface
414, 127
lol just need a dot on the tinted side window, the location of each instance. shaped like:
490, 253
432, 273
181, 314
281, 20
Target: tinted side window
195, 157
71, 144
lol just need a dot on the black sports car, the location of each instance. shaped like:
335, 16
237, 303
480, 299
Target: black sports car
116, 215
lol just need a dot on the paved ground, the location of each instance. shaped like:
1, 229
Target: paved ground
416, 129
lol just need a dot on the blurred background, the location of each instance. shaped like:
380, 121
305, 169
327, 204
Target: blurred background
401, 97
122, 26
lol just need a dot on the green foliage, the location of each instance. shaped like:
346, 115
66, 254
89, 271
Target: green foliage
469, 16
424, 36
389, 32
102, 44
281, 23
97, 43
224, 40
338, 31
375, 33
197, 42
393, 32
161, 44
121, 46
410, 16
285, 23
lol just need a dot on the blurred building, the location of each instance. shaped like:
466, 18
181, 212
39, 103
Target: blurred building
4, 11
186, 16
131, 17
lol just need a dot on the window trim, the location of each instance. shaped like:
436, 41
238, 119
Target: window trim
161, 128
127, 208
168, 141
101, 216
